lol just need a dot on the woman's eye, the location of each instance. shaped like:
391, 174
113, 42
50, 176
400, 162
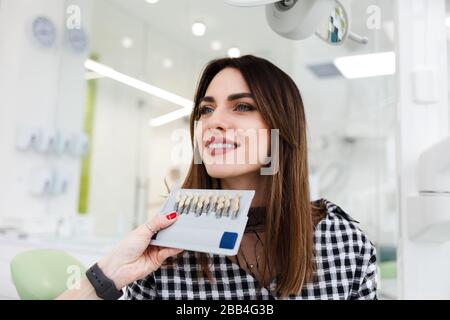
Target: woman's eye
242, 107
204, 110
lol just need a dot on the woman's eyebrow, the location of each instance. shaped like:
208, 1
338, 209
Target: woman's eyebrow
235, 96
231, 97
207, 99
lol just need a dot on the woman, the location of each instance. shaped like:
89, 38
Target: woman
292, 248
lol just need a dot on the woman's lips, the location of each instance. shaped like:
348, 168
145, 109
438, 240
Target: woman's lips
220, 145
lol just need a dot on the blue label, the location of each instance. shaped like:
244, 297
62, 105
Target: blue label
228, 240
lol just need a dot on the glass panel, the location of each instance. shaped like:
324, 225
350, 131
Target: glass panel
143, 63
351, 121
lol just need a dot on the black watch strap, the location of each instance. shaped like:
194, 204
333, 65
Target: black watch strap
104, 287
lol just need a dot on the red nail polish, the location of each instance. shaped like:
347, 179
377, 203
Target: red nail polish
171, 215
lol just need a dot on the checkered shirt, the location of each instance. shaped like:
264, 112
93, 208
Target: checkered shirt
345, 269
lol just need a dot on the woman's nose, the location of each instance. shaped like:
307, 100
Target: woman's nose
219, 119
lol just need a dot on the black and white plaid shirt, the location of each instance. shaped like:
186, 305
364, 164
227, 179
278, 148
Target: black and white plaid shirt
346, 269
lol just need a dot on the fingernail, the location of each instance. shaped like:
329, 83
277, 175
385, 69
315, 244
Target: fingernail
171, 215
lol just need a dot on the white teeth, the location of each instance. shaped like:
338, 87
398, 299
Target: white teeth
221, 146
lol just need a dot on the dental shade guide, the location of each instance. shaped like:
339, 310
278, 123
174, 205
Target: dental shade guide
198, 207
198, 230
181, 204
213, 202
219, 207
225, 212
193, 203
177, 201
206, 203
235, 206
187, 203
199, 202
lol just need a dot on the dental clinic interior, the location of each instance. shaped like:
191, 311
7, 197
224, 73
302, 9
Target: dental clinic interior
92, 93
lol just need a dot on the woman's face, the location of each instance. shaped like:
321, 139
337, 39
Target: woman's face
232, 137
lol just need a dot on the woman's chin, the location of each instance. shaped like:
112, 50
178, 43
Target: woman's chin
222, 171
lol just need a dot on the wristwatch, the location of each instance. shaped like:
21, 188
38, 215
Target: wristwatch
104, 287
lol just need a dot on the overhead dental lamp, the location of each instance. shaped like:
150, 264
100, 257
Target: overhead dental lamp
300, 19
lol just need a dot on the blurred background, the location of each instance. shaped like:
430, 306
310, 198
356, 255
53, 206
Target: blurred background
102, 99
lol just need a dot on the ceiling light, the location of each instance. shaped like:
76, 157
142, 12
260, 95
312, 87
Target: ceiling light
167, 63
127, 42
169, 117
109, 72
234, 52
91, 75
151, 1
366, 65
216, 45
198, 29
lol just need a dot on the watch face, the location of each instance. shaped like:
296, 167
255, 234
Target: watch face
44, 31
77, 40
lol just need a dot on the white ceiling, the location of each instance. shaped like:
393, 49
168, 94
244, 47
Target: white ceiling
332, 104
245, 28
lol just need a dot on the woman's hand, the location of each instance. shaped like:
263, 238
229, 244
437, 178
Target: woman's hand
133, 258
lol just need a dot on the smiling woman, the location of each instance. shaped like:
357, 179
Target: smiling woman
293, 247
230, 132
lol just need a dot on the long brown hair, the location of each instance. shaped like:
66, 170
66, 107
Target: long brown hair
290, 216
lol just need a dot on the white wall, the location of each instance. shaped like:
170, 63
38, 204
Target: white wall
42, 88
423, 264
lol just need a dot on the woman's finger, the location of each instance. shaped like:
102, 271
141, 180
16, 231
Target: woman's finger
159, 222
165, 253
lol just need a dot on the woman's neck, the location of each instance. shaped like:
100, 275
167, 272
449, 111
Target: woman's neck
251, 181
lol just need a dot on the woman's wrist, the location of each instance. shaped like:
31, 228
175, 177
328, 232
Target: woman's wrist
112, 270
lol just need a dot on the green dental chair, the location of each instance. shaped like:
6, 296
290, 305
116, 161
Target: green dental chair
44, 274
